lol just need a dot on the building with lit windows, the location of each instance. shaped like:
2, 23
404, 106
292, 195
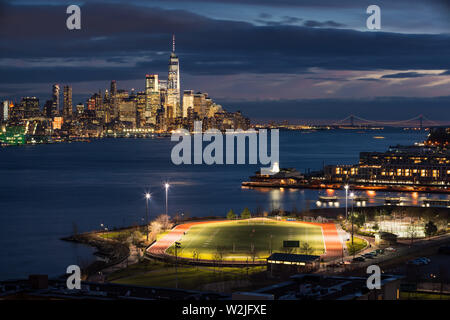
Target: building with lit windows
412, 165
173, 85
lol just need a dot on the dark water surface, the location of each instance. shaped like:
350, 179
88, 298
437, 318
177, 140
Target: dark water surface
48, 190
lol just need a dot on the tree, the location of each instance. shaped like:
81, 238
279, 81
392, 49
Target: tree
246, 214
164, 221
412, 232
430, 229
306, 248
231, 215
136, 237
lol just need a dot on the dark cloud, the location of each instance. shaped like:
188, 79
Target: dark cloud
208, 46
403, 75
368, 79
382, 108
319, 24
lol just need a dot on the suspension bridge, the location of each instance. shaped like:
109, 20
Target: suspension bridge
419, 121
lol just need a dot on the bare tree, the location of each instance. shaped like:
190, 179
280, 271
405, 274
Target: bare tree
412, 232
306, 248
164, 221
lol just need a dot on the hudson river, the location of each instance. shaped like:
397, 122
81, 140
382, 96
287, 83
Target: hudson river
47, 191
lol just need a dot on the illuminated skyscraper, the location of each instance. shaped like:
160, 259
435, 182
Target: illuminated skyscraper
114, 110
30, 107
55, 99
5, 111
67, 102
173, 84
152, 98
188, 102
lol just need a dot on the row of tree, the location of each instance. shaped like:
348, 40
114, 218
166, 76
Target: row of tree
245, 214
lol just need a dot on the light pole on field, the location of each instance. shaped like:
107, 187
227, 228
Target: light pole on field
166, 185
346, 197
147, 197
352, 196
177, 246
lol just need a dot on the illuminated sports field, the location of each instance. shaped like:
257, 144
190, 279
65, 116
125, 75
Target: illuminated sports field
234, 239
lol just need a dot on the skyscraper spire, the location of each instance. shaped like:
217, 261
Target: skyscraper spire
173, 43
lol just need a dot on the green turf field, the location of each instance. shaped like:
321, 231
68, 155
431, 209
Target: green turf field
239, 240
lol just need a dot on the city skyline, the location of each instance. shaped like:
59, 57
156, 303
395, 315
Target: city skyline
306, 65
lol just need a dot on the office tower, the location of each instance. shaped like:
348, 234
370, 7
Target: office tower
153, 98
173, 84
48, 108
5, 111
30, 107
55, 99
79, 109
188, 102
113, 100
127, 113
67, 102
200, 104
141, 104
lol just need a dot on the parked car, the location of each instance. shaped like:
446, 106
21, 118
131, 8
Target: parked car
367, 256
380, 251
424, 259
359, 259
391, 249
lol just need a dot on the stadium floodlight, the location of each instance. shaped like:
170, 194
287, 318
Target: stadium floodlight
166, 185
147, 197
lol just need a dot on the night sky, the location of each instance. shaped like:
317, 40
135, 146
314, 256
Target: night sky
272, 59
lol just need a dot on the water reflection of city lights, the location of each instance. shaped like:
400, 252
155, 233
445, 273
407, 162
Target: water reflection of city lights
371, 193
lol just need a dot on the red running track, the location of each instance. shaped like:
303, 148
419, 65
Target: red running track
333, 244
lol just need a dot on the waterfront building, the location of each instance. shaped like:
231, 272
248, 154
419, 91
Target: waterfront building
13, 135
399, 165
67, 102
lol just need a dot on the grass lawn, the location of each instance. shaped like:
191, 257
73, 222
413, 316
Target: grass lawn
235, 239
161, 275
423, 296
358, 245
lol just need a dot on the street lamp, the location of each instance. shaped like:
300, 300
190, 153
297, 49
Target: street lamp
166, 185
147, 197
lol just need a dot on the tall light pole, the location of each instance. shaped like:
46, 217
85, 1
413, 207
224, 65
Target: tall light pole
166, 185
346, 196
177, 246
147, 197
352, 195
